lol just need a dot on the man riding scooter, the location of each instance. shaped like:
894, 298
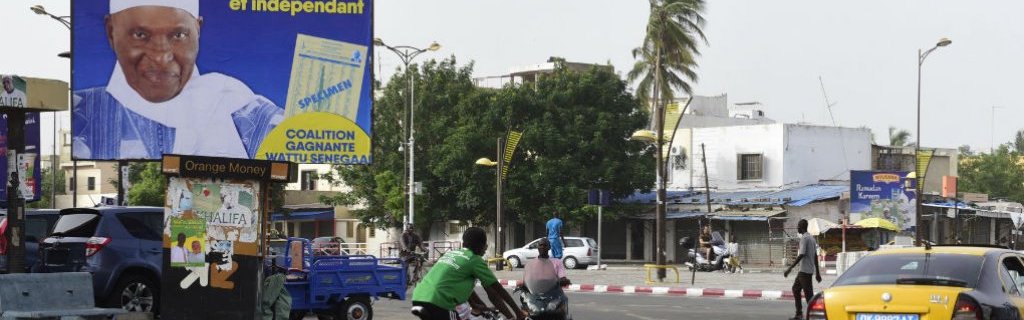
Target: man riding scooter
541, 290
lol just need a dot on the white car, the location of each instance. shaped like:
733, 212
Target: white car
577, 252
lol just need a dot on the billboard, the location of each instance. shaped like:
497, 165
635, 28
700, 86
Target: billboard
884, 194
34, 94
27, 163
244, 79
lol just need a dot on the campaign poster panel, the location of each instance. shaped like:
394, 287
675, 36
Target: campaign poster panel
12, 94
243, 79
29, 172
884, 194
211, 248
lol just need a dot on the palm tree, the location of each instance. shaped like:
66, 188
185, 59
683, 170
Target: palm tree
899, 138
666, 58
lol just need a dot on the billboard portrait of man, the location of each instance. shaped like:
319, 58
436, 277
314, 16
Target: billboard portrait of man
13, 93
157, 101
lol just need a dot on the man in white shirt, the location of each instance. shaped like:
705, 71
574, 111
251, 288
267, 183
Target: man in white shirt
157, 102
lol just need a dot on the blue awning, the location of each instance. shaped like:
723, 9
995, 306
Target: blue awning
304, 216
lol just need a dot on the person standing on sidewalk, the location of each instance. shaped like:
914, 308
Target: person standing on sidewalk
808, 262
554, 227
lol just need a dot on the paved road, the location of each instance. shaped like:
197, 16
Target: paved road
587, 306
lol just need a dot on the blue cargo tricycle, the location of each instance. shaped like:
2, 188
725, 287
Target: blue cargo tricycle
339, 286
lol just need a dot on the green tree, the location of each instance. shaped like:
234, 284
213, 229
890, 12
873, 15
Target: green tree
899, 137
1000, 174
148, 184
576, 137
575, 127
666, 58
45, 199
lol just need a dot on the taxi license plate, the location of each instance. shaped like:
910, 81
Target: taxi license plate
887, 316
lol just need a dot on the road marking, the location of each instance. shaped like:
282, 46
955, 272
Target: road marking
659, 290
628, 289
696, 292
771, 294
600, 288
733, 293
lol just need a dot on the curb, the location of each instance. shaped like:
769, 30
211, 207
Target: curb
673, 291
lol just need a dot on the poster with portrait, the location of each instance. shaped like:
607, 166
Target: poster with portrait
884, 194
29, 172
211, 242
245, 79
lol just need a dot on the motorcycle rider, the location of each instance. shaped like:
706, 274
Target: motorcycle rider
714, 245
453, 278
543, 273
544, 276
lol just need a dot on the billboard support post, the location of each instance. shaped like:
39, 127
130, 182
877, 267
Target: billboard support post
15, 203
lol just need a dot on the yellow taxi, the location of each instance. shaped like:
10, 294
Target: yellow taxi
927, 283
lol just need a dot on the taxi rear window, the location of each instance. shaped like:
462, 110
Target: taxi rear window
893, 268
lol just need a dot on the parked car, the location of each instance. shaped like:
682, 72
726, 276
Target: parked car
38, 223
931, 282
577, 252
120, 246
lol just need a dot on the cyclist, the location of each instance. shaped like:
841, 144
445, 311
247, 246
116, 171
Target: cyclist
453, 278
410, 240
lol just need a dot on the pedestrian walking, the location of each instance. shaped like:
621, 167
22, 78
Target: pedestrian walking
808, 262
554, 228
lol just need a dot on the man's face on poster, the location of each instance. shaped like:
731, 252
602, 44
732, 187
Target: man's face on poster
8, 85
156, 47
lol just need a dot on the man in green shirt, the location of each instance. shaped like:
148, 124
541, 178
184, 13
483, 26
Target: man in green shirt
452, 279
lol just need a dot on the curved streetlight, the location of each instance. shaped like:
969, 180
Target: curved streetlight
38, 9
64, 20
921, 55
498, 165
407, 54
486, 162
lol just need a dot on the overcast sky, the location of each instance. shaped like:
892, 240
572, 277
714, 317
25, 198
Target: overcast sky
772, 52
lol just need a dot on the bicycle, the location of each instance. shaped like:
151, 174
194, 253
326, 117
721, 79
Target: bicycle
415, 263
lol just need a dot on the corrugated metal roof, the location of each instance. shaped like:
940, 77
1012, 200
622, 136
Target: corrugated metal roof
650, 197
798, 196
751, 215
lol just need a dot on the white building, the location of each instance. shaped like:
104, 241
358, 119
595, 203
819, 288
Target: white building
93, 183
308, 217
766, 156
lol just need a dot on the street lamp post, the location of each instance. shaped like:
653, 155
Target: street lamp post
407, 54
917, 148
499, 240
38, 9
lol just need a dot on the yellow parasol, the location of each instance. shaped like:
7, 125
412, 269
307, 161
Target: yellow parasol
877, 223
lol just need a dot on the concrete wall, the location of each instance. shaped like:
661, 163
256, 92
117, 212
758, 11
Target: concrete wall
814, 153
322, 184
722, 145
793, 155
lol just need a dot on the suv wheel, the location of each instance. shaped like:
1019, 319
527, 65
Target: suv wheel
135, 293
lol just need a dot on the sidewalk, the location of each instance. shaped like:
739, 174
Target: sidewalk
755, 284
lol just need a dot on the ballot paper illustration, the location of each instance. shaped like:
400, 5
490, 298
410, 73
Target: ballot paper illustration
327, 76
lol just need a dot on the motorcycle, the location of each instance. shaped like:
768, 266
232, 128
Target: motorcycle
550, 305
725, 257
